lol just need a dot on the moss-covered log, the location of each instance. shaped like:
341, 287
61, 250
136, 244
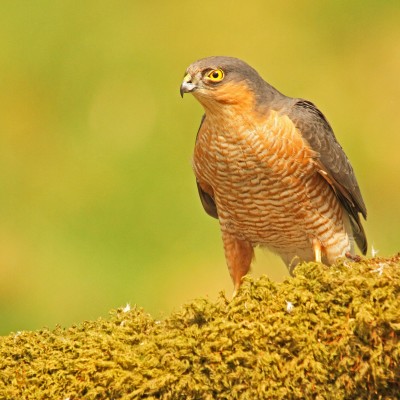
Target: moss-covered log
327, 333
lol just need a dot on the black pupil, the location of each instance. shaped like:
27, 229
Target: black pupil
215, 75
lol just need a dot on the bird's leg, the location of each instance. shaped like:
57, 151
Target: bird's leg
317, 250
238, 254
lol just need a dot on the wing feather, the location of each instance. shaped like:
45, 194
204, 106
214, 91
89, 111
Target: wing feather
333, 163
206, 198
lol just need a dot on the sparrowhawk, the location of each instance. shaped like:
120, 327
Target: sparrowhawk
270, 169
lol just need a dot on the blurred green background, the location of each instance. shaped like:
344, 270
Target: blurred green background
98, 204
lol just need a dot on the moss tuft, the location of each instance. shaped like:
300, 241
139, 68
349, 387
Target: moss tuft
327, 333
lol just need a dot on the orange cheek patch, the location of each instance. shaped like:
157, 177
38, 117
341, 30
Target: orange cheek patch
234, 93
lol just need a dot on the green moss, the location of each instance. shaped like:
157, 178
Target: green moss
327, 333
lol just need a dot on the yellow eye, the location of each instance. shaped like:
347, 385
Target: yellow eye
216, 75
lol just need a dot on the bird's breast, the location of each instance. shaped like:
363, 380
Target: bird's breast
239, 156
262, 176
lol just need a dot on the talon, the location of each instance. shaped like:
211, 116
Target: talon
352, 257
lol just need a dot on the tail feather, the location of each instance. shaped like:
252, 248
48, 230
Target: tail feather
359, 233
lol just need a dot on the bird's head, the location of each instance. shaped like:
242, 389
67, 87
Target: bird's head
222, 81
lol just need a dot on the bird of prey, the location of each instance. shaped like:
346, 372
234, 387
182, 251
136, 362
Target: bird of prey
270, 169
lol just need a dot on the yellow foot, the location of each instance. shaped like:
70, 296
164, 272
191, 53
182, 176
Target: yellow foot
317, 250
235, 290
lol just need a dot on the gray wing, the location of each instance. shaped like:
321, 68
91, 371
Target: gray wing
335, 166
207, 199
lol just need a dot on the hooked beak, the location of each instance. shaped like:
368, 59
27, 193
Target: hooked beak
187, 85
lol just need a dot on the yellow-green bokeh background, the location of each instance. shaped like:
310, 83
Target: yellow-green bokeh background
98, 205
